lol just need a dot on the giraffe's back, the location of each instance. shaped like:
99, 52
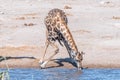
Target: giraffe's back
51, 18
53, 13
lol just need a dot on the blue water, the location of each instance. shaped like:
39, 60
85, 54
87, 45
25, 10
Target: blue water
64, 74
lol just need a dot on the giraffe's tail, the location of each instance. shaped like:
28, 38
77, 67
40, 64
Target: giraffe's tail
60, 42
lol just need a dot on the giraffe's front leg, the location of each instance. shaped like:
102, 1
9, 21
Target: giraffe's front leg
43, 65
41, 61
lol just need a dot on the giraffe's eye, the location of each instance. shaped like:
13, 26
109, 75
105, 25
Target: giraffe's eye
78, 60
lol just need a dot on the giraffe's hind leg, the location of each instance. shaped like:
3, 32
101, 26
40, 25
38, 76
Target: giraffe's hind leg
43, 64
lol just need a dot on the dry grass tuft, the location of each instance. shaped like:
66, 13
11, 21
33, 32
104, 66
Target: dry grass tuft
82, 31
20, 18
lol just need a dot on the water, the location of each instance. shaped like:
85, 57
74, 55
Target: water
64, 74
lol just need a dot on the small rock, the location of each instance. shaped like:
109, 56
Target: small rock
30, 24
107, 4
116, 17
67, 7
1, 12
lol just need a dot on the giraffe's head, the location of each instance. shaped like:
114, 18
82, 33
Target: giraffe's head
78, 59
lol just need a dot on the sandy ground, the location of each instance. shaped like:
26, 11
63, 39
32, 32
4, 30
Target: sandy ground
94, 24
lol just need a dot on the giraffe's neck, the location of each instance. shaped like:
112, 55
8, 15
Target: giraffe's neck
68, 39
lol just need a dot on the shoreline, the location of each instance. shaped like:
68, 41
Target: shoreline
52, 64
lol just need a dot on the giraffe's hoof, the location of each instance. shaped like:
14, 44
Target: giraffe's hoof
42, 65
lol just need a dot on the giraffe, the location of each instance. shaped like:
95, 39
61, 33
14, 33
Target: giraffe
57, 30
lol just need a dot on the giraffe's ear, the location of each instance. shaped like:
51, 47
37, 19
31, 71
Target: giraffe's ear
79, 54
